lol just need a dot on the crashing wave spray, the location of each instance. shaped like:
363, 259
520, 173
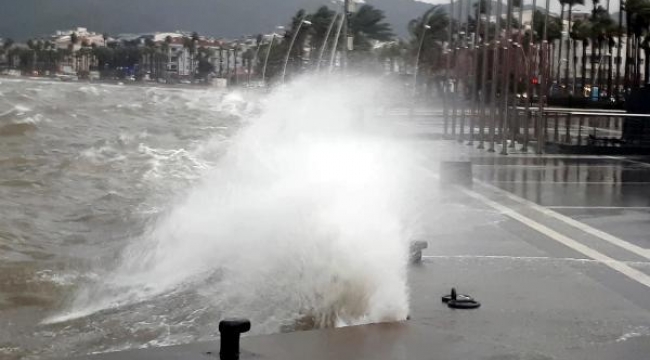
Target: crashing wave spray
302, 220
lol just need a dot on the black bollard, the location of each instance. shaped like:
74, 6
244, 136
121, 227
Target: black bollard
415, 251
230, 330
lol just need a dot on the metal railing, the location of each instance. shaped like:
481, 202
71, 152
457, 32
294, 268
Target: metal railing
528, 126
551, 126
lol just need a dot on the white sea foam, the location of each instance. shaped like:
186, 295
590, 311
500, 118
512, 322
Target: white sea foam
306, 217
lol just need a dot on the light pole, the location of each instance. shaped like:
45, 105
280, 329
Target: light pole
327, 36
336, 42
268, 52
417, 58
293, 40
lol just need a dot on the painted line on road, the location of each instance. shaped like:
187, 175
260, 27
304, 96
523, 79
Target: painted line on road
616, 265
529, 258
601, 207
567, 220
619, 158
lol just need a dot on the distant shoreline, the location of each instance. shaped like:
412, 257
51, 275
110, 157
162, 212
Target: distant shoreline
151, 84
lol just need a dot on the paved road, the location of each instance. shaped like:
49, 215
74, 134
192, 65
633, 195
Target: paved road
555, 247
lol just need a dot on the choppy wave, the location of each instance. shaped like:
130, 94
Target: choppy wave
304, 210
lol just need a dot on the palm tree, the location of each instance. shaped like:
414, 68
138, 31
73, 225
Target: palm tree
559, 51
638, 21
368, 24
438, 21
601, 28
297, 52
570, 4
580, 31
322, 21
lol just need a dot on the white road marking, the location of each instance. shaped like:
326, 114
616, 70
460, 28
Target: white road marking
528, 258
577, 224
643, 164
601, 207
616, 265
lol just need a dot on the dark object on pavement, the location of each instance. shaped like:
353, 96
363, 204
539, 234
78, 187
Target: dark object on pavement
456, 301
230, 330
415, 251
456, 173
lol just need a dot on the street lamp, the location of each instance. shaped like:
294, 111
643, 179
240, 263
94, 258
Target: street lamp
327, 36
293, 40
417, 58
266, 59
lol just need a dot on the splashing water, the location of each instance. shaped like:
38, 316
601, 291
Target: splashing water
303, 220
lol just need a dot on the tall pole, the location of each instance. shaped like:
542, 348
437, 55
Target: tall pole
266, 59
544, 83
336, 43
506, 87
417, 59
346, 30
529, 69
475, 68
234, 59
484, 70
495, 74
514, 131
454, 102
293, 40
619, 60
466, 50
447, 86
327, 36
458, 102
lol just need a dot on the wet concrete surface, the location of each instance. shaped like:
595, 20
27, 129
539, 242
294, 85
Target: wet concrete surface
541, 299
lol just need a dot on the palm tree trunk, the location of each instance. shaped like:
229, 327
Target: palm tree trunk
585, 45
610, 91
600, 67
592, 75
568, 47
646, 70
637, 62
559, 51
626, 80
575, 66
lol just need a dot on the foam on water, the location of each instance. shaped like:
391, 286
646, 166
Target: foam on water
306, 217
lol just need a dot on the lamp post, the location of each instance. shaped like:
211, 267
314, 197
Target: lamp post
327, 36
293, 40
266, 59
417, 58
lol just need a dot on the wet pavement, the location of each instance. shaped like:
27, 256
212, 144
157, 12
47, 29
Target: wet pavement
555, 247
